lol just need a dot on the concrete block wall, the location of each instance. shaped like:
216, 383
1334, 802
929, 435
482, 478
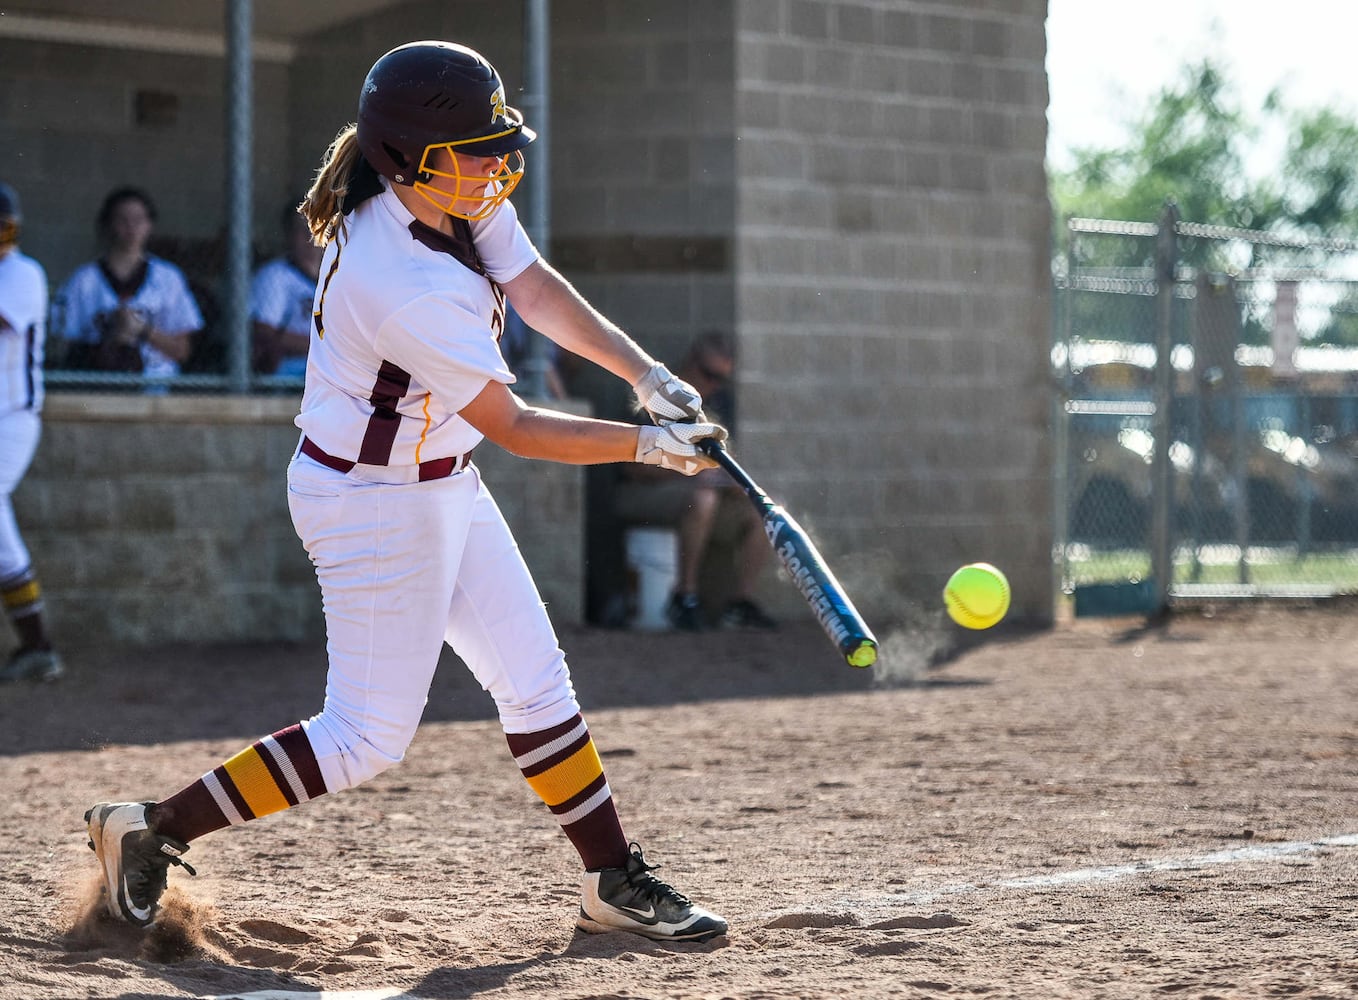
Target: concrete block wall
70, 133
328, 71
642, 148
164, 519
643, 192
892, 295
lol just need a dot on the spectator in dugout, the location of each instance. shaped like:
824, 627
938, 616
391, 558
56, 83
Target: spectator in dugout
128, 310
281, 296
706, 508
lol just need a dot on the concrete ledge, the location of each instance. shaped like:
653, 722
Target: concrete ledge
164, 518
140, 407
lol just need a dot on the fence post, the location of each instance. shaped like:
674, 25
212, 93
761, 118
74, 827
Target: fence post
1217, 334
536, 108
1162, 485
1064, 392
239, 194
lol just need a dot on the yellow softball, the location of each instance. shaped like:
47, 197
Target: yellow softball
977, 596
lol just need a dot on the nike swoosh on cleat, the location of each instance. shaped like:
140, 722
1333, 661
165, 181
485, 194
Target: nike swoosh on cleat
138, 912
647, 915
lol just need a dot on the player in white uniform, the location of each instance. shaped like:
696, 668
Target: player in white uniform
129, 310
23, 318
281, 295
405, 378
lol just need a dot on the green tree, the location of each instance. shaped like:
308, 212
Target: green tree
1191, 144
1321, 197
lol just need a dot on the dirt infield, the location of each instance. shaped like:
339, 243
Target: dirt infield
1099, 810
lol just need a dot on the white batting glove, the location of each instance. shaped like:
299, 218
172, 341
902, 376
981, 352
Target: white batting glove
666, 397
675, 446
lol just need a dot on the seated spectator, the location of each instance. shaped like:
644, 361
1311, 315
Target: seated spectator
704, 507
281, 299
127, 311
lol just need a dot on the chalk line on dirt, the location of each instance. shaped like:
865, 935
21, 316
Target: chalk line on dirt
387, 994
878, 901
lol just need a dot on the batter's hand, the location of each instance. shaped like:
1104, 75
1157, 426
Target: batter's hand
675, 446
668, 398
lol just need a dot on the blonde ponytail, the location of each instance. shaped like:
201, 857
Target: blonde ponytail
324, 203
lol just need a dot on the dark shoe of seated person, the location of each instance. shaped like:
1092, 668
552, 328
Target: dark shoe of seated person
746, 614
685, 612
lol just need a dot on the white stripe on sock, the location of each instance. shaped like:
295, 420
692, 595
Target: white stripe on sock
223, 800
280, 757
586, 807
556, 746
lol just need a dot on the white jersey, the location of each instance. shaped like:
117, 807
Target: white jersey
281, 296
86, 300
406, 334
23, 318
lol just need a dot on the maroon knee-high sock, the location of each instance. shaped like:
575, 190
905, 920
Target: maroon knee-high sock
563, 767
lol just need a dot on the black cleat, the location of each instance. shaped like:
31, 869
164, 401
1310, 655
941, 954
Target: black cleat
134, 859
632, 899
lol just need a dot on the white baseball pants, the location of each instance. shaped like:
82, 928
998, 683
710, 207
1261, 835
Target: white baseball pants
19, 433
403, 569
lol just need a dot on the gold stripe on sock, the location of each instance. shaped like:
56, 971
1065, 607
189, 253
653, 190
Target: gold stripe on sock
252, 779
557, 784
24, 594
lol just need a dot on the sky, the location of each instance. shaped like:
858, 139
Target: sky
1108, 58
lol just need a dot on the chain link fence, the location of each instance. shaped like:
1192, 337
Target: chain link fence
1206, 414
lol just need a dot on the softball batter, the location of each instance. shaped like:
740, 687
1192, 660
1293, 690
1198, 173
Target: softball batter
23, 317
404, 378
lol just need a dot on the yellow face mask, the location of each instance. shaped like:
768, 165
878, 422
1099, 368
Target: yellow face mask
497, 187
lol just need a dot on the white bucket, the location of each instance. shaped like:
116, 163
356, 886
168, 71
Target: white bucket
652, 569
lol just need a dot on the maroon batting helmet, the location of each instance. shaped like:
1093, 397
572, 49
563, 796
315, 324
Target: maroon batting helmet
434, 93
